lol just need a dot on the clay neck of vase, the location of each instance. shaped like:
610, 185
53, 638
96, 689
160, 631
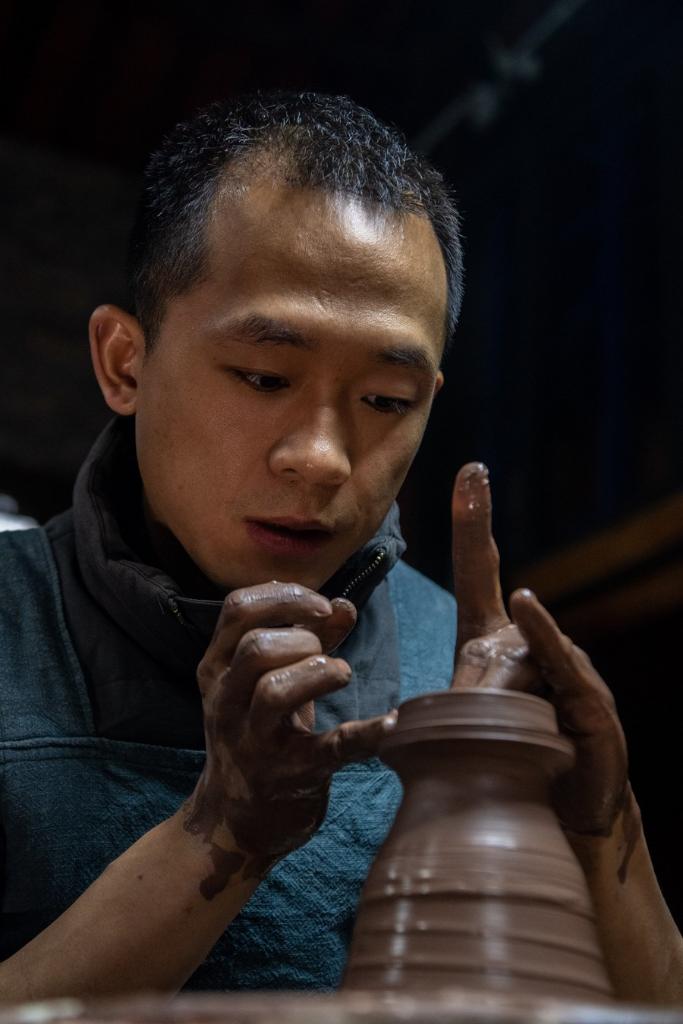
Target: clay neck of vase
453, 775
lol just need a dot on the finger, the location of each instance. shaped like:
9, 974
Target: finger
333, 630
488, 662
472, 663
505, 674
353, 741
553, 652
281, 693
304, 717
500, 673
510, 666
263, 650
267, 605
475, 556
586, 700
466, 676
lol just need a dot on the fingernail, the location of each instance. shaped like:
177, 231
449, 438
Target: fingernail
389, 721
476, 473
345, 667
341, 602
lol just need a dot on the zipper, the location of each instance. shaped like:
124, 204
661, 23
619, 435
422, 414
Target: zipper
367, 571
348, 589
175, 610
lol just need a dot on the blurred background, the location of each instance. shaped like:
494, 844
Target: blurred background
558, 124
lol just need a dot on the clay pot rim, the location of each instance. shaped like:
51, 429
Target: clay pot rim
530, 698
480, 730
478, 706
489, 718
496, 735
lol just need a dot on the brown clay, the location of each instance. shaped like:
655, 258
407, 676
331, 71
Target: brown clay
445, 1007
476, 886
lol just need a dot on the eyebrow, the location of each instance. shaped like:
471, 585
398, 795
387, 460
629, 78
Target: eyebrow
407, 355
255, 329
264, 331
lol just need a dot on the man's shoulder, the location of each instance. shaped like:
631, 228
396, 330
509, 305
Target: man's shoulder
21, 549
17, 545
410, 587
26, 563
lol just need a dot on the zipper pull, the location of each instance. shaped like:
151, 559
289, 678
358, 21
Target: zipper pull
176, 612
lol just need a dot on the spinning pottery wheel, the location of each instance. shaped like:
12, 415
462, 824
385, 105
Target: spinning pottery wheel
447, 1007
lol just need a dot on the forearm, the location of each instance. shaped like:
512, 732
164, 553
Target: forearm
144, 924
643, 947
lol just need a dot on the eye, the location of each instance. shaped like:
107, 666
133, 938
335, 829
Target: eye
263, 382
381, 403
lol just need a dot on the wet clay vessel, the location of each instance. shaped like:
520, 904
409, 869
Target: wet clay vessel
476, 886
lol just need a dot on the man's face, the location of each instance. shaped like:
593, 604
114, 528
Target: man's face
292, 386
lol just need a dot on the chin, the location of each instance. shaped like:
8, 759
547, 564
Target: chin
246, 576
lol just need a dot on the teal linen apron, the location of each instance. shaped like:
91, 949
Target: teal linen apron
71, 802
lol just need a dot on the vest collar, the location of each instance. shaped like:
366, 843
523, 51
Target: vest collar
118, 565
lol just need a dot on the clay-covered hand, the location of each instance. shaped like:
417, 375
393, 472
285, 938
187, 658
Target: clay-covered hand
591, 795
529, 652
490, 650
264, 788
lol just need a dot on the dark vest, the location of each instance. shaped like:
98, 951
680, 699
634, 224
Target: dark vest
72, 802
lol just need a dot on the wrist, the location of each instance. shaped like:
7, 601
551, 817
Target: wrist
215, 860
610, 854
204, 818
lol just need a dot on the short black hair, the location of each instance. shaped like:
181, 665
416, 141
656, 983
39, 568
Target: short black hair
325, 142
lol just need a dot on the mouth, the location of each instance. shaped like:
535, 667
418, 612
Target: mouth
288, 536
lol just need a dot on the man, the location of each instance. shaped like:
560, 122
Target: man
222, 623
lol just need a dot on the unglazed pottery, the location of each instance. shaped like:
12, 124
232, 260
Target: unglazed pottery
476, 885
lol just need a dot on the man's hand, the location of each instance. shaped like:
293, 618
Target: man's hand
264, 788
530, 653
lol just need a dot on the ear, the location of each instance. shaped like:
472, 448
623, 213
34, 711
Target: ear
117, 349
438, 383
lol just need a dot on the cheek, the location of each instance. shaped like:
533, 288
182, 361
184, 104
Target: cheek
403, 443
184, 415
383, 470
181, 445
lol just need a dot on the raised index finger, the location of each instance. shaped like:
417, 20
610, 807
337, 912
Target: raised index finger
475, 556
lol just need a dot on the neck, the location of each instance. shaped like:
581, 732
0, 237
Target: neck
175, 561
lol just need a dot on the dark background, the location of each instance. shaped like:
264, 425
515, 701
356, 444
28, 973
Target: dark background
559, 126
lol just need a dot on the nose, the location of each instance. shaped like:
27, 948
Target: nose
314, 452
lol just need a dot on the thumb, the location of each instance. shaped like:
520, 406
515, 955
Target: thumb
354, 741
334, 629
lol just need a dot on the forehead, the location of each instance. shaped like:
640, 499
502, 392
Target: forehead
345, 256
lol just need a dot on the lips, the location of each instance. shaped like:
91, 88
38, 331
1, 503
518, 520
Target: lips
287, 536
292, 523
